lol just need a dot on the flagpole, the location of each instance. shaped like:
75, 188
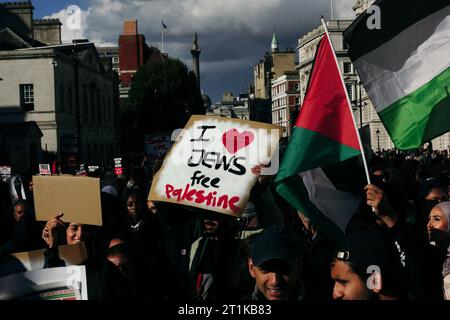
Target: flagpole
348, 102
331, 5
162, 40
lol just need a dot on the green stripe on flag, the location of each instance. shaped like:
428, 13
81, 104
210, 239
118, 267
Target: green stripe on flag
308, 150
295, 192
420, 116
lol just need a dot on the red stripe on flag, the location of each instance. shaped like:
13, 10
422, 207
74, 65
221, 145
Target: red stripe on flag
325, 109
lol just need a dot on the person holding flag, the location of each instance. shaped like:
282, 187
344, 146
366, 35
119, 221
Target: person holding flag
323, 149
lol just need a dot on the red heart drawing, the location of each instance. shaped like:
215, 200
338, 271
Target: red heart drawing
234, 141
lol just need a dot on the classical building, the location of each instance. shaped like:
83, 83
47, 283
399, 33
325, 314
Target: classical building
285, 100
66, 89
17, 24
272, 66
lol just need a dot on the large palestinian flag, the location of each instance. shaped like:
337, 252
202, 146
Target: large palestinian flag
404, 67
319, 174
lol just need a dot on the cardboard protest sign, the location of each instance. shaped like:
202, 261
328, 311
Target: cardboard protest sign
73, 254
63, 283
210, 164
77, 197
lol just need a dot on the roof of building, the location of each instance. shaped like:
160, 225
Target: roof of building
9, 40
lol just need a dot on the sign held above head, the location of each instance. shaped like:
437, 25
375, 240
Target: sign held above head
76, 196
209, 166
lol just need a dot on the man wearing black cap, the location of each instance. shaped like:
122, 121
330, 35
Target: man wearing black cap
368, 267
274, 263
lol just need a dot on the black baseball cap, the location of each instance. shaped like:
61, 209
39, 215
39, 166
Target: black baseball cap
370, 247
275, 242
367, 246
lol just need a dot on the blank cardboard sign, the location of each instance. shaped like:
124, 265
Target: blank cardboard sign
77, 197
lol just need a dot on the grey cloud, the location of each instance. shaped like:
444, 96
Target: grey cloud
233, 34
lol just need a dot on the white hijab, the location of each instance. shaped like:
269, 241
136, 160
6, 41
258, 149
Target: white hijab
445, 208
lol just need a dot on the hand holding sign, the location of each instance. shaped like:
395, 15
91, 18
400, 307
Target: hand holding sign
49, 233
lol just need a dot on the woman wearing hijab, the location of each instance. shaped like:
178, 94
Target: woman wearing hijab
440, 219
438, 226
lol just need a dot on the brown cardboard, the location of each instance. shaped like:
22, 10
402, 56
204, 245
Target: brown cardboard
73, 254
75, 196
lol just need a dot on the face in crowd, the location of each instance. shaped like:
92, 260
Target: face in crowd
275, 278
347, 284
211, 226
135, 207
75, 233
19, 211
438, 222
437, 194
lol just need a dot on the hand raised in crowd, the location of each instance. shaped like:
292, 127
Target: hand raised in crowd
376, 198
258, 170
50, 229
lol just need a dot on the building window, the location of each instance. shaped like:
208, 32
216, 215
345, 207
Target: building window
297, 101
348, 67
349, 87
27, 97
115, 59
297, 87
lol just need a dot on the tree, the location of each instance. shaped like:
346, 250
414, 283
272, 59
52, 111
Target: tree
162, 98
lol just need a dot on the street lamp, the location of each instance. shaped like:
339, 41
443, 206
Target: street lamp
378, 138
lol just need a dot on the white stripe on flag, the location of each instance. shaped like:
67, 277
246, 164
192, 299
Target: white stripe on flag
338, 206
389, 75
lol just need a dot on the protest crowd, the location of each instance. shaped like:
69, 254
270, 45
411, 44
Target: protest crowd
210, 220
158, 251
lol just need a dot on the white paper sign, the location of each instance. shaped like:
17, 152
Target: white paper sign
210, 164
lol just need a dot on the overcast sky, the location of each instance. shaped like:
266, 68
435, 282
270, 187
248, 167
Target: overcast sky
232, 34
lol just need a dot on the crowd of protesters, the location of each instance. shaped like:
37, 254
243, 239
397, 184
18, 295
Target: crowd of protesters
395, 246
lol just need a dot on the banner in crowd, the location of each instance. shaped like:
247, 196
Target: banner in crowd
63, 283
157, 146
405, 67
77, 197
209, 166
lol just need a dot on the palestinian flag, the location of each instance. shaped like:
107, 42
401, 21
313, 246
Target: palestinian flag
319, 174
404, 67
